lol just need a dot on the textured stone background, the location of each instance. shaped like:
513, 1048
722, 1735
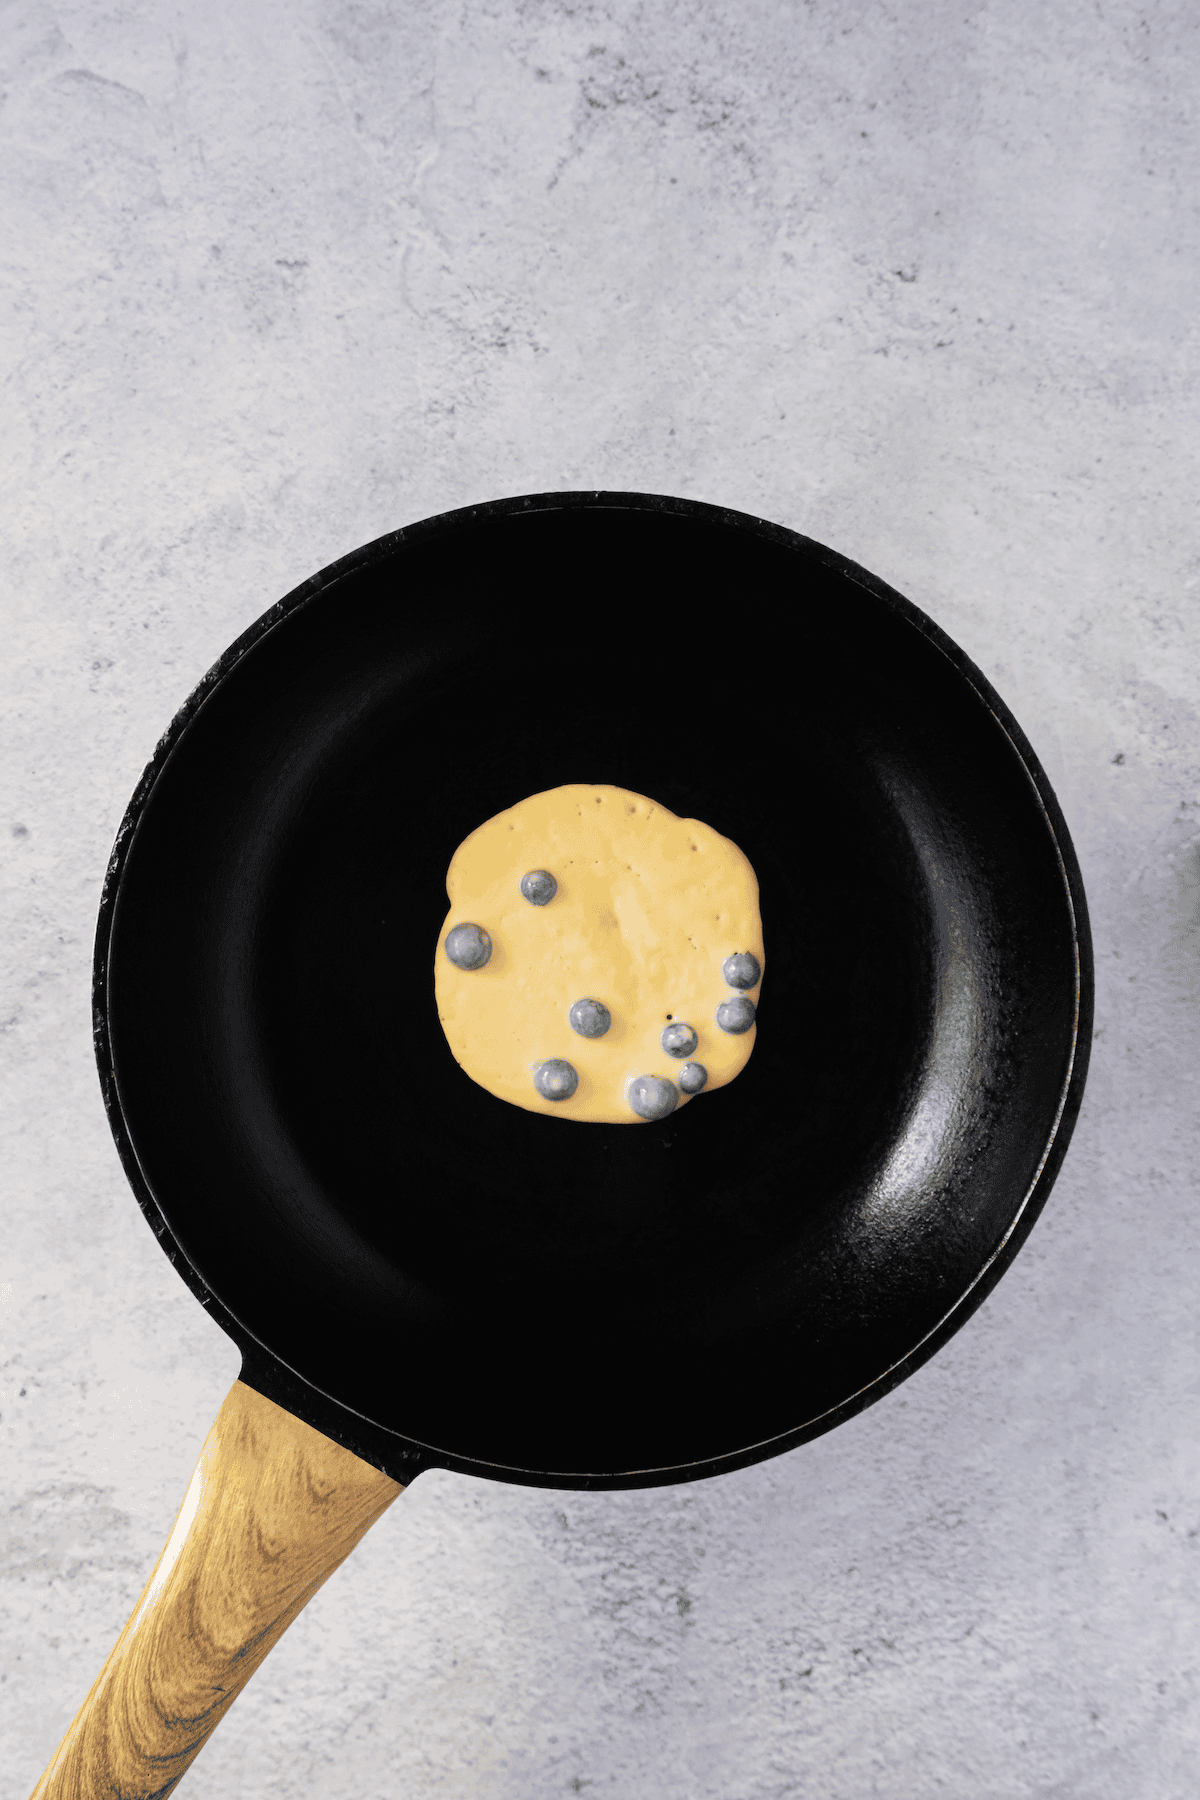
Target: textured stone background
917, 281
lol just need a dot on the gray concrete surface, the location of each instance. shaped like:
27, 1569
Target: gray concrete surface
916, 281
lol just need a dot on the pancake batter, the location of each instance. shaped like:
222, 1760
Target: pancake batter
601, 958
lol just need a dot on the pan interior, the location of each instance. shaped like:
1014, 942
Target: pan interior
526, 1293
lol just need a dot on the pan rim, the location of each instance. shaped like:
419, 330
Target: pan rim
380, 1444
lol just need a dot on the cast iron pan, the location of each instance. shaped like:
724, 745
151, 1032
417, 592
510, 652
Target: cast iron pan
433, 1278
590, 1305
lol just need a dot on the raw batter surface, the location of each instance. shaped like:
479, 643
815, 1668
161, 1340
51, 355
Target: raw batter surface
601, 958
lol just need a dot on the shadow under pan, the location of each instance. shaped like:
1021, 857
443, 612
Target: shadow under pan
524, 1296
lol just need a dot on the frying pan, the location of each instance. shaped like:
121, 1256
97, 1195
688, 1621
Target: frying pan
419, 1275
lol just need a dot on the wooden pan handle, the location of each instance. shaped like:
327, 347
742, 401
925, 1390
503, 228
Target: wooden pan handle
273, 1508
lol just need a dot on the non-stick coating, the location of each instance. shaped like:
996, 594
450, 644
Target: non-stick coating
530, 1298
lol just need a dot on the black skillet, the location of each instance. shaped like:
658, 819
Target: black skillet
433, 1278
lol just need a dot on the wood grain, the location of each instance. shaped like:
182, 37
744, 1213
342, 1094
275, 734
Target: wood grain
272, 1509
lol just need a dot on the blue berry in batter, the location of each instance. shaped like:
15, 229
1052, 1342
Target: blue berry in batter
555, 1080
736, 1015
742, 970
539, 887
590, 1018
679, 1040
653, 1096
468, 946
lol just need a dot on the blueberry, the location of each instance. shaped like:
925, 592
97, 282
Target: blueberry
468, 946
590, 1018
742, 970
693, 1077
736, 1015
653, 1096
555, 1080
679, 1040
539, 886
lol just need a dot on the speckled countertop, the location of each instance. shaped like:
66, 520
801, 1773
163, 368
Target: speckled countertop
919, 284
